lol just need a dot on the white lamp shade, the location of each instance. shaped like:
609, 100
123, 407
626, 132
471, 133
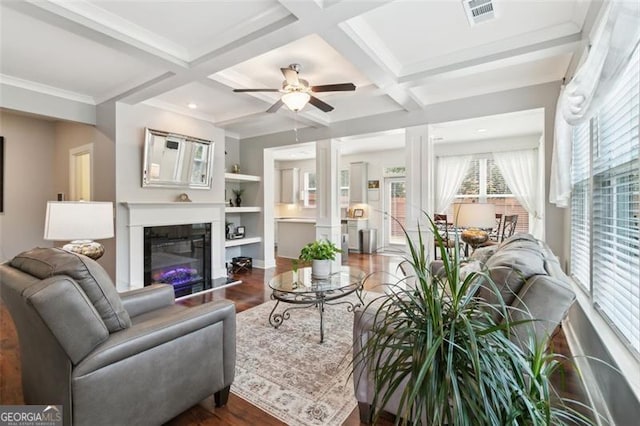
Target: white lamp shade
78, 220
475, 215
295, 101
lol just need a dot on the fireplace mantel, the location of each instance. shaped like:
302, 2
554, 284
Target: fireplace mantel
163, 213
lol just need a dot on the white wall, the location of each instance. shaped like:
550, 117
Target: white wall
29, 150
130, 122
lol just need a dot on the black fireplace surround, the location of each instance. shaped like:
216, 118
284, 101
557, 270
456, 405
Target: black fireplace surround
179, 255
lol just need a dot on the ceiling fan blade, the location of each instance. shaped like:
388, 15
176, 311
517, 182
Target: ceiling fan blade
341, 87
320, 104
256, 90
291, 76
276, 106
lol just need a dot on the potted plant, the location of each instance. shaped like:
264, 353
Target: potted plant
319, 253
436, 349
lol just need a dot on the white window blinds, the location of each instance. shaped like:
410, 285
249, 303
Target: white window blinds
605, 232
616, 267
580, 206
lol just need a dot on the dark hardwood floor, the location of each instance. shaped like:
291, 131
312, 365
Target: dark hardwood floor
252, 292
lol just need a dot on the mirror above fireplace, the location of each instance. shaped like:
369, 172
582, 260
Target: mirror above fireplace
172, 160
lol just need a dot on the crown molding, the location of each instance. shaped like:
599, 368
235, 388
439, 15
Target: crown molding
48, 90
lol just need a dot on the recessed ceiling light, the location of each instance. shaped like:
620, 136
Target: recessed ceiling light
192, 105
482, 130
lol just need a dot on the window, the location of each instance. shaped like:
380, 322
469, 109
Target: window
484, 183
309, 189
580, 202
604, 229
344, 188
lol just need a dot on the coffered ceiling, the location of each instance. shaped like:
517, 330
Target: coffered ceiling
402, 55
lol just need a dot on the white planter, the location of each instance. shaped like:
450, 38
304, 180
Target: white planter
320, 269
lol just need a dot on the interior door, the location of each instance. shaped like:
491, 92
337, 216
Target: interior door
395, 197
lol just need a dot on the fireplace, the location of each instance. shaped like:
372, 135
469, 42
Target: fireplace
179, 255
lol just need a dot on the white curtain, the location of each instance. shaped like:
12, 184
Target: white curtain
520, 172
612, 47
450, 172
560, 181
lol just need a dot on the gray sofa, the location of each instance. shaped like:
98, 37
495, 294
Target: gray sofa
531, 282
109, 358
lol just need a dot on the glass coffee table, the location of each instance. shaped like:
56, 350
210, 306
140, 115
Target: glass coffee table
299, 289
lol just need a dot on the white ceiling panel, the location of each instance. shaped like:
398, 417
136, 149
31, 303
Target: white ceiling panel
495, 80
320, 64
264, 123
197, 26
368, 101
219, 103
36, 51
411, 36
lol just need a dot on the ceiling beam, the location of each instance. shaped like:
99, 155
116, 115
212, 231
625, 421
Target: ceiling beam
380, 76
548, 48
57, 15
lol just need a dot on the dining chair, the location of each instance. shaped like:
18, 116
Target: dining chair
509, 226
444, 227
494, 235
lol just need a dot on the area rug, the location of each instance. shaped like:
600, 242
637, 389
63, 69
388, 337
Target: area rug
288, 373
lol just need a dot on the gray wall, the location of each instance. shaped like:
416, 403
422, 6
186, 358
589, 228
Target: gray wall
29, 148
71, 135
37, 168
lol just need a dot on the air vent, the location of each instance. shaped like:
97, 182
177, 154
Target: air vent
478, 10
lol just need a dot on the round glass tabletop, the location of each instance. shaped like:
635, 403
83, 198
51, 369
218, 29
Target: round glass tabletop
300, 281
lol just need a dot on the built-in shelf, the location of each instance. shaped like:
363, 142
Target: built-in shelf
242, 241
242, 209
243, 216
237, 177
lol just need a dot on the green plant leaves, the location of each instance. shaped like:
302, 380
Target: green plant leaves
439, 346
319, 250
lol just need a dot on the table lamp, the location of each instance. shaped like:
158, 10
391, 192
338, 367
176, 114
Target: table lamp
475, 218
81, 222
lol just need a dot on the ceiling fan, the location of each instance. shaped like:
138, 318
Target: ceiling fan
297, 92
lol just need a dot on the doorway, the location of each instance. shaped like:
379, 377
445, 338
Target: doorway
80, 173
395, 200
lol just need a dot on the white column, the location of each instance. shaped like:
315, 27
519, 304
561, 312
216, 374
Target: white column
420, 183
328, 193
268, 201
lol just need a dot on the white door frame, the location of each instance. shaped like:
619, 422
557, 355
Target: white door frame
73, 154
386, 221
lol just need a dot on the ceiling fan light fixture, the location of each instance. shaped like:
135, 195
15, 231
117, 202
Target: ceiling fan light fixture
295, 101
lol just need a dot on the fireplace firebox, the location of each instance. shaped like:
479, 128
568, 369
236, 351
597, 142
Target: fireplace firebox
179, 255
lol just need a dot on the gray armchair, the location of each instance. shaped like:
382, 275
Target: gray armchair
109, 358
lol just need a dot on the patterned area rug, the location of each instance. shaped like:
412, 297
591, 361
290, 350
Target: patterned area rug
288, 373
